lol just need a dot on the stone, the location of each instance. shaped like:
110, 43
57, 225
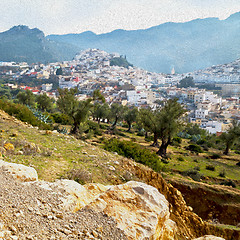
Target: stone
20, 172
78, 195
209, 237
9, 147
112, 168
139, 210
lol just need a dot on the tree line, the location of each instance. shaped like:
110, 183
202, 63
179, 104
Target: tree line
164, 123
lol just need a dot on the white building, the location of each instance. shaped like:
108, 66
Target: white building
47, 87
67, 82
201, 113
212, 126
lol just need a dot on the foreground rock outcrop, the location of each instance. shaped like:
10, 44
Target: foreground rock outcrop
138, 209
20, 172
67, 210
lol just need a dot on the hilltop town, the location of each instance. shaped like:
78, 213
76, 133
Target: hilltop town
122, 83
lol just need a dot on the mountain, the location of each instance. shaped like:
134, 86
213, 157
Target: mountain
185, 46
30, 45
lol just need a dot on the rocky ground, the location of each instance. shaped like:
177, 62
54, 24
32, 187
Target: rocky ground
31, 212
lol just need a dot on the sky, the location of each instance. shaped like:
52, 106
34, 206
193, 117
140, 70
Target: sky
101, 16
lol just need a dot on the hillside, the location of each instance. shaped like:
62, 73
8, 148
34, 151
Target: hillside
56, 156
22, 44
187, 46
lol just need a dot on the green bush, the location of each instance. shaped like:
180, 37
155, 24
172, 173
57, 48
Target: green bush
135, 151
61, 118
229, 183
22, 113
215, 156
181, 159
222, 173
176, 141
94, 128
194, 148
193, 173
140, 133
210, 167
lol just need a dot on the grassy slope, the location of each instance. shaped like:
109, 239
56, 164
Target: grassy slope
61, 153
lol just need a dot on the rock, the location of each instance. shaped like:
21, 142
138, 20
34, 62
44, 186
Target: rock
20, 153
8, 147
78, 196
139, 210
112, 168
31, 148
20, 172
209, 237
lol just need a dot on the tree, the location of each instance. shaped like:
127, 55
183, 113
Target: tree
26, 97
169, 123
117, 111
45, 103
59, 71
78, 111
130, 116
5, 92
101, 111
148, 119
231, 136
187, 82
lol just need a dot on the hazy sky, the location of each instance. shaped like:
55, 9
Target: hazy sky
99, 16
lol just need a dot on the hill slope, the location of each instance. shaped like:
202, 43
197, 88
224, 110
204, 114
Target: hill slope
30, 45
186, 46
54, 155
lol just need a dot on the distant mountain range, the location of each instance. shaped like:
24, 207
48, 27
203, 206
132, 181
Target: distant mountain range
185, 46
22, 44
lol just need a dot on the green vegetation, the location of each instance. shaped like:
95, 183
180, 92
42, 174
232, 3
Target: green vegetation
187, 82
133, 150
184, 148
231, 136
22, 113
120, 61
194, 148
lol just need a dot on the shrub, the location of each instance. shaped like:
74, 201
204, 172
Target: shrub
61, 118
134, 151
79, 175
197, 168
237, 151
238, 164
22, 113
215, 156
194, 174
177, 139
229, 183
194, 148
222, 173
94, 128
210, 167
181, 159
140, 134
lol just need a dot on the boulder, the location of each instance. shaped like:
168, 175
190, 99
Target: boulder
9, 147
20, 172
209, 237
76, 196
139, 210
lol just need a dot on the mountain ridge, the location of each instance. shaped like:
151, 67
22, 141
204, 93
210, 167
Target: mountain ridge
20, 43
188, 46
